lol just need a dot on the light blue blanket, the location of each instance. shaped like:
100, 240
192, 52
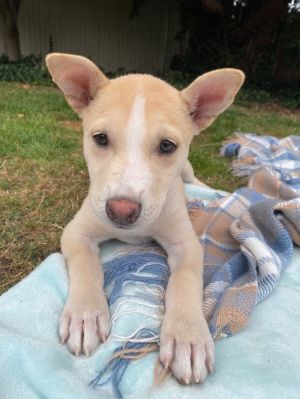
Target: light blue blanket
262, 361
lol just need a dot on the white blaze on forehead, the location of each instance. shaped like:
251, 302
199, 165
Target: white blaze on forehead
135, 129
136, 175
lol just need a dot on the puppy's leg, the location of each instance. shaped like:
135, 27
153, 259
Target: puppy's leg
188, 176
85, 319
186, 344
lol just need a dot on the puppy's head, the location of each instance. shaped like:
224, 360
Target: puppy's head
137, 132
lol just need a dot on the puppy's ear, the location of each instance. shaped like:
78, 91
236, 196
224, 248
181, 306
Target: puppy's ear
77, 77
210, 94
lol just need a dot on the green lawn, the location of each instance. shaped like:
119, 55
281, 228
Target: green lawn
43, 178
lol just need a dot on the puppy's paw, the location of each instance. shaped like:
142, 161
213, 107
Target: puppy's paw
187, 349
84, 324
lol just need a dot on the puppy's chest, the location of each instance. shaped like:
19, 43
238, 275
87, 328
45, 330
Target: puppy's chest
132, 238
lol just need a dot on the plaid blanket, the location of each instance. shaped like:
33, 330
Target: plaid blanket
248, 239
279, 157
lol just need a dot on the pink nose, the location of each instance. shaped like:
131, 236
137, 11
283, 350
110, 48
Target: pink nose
123, 211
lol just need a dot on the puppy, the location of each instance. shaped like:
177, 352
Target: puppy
137, 133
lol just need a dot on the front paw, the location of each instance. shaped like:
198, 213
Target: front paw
187, 348
84, 323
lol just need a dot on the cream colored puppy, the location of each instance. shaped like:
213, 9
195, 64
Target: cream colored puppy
137, 132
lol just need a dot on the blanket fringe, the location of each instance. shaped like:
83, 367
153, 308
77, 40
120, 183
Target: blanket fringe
120, 360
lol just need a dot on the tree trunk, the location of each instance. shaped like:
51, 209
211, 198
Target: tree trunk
8, 19
259, 17
260, 31
286, 71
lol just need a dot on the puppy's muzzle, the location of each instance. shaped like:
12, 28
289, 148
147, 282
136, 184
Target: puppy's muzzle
123, 211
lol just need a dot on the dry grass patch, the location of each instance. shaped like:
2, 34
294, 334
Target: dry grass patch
37, 200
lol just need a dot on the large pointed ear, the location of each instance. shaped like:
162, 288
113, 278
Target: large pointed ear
77, 77
210, 94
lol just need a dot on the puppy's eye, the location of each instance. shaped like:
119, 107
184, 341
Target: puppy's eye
101, 139
167, 146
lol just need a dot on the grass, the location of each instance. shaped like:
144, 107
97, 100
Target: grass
43, 177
